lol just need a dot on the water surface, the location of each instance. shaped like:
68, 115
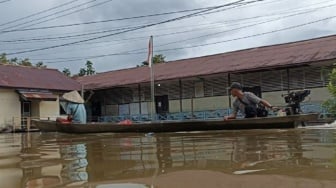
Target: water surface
255, 158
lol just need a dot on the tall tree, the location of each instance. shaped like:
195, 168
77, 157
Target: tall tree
66, 72
88, 70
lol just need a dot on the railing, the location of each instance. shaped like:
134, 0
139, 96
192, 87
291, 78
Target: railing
25, 123
200, 115
203, 115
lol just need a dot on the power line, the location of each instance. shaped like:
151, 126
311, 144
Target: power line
250, 36
73, 12
243, 27
42, 39
195, 46
4, 1
216, 33
134, 29
110, 20
37, 13
56, 13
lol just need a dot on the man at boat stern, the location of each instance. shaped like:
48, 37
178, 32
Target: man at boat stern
246, 103
75, 108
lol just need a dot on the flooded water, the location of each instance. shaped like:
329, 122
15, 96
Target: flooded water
256, 158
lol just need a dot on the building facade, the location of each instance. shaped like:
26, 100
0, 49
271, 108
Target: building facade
31, 92
197, 87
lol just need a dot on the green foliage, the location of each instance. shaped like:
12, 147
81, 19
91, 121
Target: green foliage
40, 65
66, 72
159, 58
21, 62
88, 70
25, 62
82, 72
330, 104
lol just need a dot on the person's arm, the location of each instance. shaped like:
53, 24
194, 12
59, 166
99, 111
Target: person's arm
69, 112
257, 100
232, 116
266, 103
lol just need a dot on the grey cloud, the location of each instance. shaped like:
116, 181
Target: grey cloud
127, 8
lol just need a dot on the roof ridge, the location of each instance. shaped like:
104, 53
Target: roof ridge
31, 67
257, 47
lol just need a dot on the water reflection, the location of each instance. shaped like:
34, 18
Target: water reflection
51, 160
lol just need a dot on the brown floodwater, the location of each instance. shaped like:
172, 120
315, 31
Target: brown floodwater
255, 158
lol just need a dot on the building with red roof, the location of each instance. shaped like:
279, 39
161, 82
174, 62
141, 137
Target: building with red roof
200, 84
31, 92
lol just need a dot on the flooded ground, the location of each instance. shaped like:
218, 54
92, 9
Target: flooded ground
256, 158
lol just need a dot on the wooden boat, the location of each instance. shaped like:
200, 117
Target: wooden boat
285, 122
45, 125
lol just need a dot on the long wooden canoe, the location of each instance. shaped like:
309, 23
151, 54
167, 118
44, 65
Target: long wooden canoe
285, 122
45, 125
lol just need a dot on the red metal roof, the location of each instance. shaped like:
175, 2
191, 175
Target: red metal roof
35, 78
276, 56
37, 95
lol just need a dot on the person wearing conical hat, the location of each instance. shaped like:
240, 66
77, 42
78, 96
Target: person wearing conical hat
75, 108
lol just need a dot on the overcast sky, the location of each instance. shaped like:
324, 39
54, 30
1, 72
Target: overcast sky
231, 28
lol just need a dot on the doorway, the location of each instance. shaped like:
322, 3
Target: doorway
96, 111
162, 105
25, 112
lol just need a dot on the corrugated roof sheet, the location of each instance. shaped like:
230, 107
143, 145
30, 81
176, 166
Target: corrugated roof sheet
276, 56
35, 78
37, 95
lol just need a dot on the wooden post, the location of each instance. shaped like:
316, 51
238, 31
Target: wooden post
229, 83
139, 92
13, 124
28, 123
288, 80
180, 88
192, 101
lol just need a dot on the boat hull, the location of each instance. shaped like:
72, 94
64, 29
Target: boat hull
286, 122
45, 125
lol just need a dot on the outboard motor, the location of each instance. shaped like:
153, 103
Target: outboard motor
293, 101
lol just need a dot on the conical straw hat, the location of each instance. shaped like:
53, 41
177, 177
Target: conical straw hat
74, 97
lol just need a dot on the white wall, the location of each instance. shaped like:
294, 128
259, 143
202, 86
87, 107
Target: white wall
10, 107
49, 109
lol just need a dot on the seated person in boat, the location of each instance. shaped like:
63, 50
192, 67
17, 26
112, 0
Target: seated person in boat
246, 103
75, 108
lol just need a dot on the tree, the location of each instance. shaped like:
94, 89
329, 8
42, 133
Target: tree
21, 62
40, 65
3, 58
82, 72
25, 62
157, 59
330, 104
13, 60
66, 72
88, 70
